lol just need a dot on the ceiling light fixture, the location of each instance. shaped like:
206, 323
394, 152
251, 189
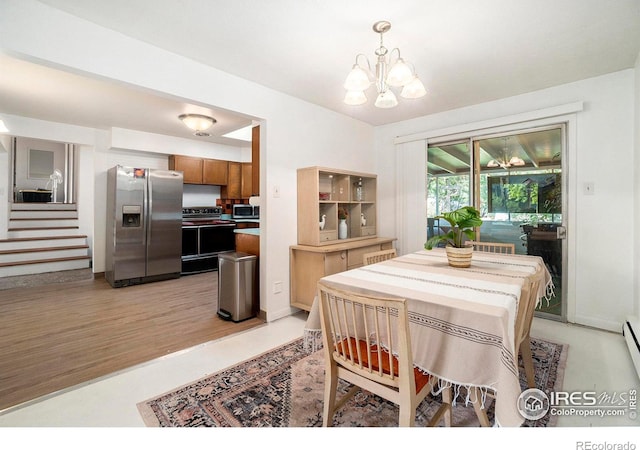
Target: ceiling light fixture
505, 162
198, 123
389, 73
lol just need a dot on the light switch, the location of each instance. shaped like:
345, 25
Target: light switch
276, 191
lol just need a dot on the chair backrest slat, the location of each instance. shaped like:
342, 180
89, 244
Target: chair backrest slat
493, 247
382, 255
366, 333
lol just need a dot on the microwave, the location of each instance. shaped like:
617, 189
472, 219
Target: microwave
245, 211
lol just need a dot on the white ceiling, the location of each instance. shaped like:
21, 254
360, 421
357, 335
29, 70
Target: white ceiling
465, 51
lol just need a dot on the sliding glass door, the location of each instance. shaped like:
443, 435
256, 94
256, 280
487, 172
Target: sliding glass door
515, 180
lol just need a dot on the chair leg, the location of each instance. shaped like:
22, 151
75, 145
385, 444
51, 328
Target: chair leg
477, 406
407, 415
447, 400
330, 390
527, 360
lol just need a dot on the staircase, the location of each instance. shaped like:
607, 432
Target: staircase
43, 237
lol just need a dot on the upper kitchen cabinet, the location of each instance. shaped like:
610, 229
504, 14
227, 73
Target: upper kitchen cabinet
215, 171
246, 180
189, 166
233, 189
200, 170
239, 184
255, 160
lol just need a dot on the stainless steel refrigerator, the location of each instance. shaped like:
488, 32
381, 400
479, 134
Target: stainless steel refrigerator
144, 225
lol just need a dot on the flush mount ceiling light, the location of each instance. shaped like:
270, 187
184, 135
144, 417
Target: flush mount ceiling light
391, 71
198, 123
505, 161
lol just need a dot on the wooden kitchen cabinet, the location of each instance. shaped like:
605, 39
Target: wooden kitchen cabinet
233, 187
310, 263
200, 170
239, 181
215, 171
246, 182
255, 160
191, 168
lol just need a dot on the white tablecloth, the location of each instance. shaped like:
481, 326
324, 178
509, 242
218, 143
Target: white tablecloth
462, 321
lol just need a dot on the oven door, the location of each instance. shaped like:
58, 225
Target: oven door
217, 238
190, 242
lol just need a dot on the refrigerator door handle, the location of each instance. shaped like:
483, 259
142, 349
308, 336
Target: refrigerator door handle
149, 203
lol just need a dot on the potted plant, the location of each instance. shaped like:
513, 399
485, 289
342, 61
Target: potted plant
462, 221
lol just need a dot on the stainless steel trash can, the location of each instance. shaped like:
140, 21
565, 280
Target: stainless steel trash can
237, 293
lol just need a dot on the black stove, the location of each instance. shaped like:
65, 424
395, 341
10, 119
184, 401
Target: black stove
201, 213
204, 236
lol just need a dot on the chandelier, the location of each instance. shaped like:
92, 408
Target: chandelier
391, 71
506, 162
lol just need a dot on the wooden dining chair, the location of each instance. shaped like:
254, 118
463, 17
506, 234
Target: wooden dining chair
382, 255
493, 247
367, 343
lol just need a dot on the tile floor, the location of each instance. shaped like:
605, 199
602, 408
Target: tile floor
597, 361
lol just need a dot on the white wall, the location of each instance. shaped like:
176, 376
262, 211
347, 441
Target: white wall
293, 133
601, 271
5, 185
637, 186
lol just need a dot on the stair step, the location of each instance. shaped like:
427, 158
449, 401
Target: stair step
43, 206
21, 255
42, 242
43, 266
40, 233
42, 222
45, 261
27, 239
43, 214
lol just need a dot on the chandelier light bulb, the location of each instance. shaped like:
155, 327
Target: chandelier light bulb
399, 74
414, 89
357, 80
355, 98
386, 100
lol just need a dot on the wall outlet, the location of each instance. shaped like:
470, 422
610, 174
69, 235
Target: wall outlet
277, 287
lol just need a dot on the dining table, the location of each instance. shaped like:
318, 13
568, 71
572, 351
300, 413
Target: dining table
463, 322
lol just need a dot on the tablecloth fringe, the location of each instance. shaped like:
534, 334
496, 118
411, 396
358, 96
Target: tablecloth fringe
311, 340
549, 293
456, 394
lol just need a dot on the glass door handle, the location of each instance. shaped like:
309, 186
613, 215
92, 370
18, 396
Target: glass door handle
561, 232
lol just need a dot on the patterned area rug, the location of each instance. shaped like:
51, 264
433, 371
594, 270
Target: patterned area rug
284, 388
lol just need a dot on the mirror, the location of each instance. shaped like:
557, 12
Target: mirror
40, 163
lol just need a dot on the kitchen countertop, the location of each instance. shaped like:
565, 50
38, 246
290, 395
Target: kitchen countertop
251, 231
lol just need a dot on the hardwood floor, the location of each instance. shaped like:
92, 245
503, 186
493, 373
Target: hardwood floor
59, 335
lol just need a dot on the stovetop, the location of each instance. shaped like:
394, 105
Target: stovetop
202, 212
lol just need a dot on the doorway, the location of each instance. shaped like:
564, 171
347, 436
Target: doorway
515, 180
42, 171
